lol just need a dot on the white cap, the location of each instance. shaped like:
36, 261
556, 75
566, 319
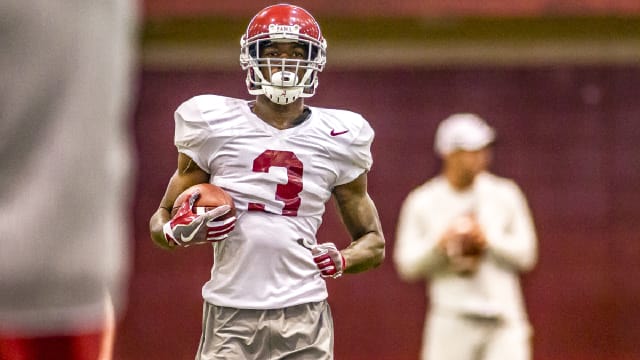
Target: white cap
462, 132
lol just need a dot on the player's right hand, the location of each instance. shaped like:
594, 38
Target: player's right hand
464, 244
464, 238
188, 228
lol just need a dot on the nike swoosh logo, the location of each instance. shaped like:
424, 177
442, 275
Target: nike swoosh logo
187, 239
336, 133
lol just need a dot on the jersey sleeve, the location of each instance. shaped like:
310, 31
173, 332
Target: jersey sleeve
356, 158
191, 132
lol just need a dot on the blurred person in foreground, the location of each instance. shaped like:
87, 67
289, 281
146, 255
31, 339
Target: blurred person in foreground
65, 179
470, 233
281, 161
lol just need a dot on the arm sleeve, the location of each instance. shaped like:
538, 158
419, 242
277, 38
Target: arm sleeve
516, 244
416, 254
191, 132
356, 158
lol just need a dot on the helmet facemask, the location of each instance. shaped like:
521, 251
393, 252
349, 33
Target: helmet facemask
282, 80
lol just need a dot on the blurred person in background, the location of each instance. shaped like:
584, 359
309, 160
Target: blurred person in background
280, 161
470, 234
66, 172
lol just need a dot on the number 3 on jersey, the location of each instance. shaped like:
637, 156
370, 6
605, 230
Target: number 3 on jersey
287, 193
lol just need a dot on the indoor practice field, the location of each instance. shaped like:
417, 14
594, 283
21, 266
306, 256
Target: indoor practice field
559, 84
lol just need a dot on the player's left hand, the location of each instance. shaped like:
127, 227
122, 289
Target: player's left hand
329, 260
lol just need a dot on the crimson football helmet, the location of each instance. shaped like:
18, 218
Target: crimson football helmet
288, 78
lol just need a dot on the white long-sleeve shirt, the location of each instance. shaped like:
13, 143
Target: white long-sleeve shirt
504, 216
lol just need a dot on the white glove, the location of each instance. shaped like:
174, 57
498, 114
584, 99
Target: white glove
327, 257
190, 226
329, 260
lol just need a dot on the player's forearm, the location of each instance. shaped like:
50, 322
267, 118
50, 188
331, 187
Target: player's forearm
418, 251
518, 247
519, 251
367, 252
418, 259
157, 221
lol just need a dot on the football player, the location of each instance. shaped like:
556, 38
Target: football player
281, 161
470, 234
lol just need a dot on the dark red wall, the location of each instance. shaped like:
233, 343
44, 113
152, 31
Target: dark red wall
569, 135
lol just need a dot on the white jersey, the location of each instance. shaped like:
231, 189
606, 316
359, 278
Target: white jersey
280, 181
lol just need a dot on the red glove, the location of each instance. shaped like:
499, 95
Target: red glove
190, 226
329, 260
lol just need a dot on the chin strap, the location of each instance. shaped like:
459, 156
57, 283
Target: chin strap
282, 96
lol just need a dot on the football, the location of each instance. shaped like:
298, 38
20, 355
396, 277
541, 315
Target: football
211, 196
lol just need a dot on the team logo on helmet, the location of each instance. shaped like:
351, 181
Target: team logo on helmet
293, 29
